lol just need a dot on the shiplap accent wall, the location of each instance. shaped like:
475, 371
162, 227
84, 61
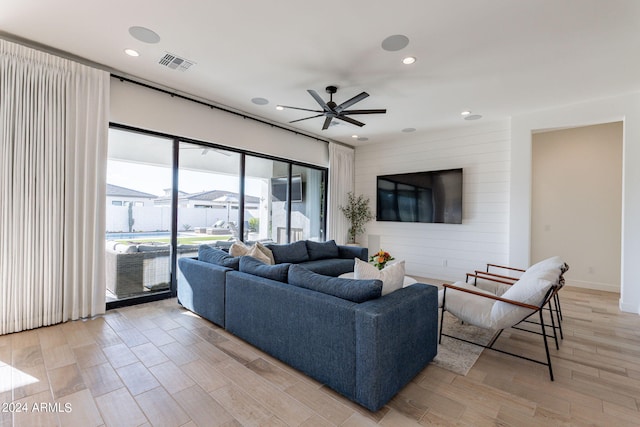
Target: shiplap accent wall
445, 251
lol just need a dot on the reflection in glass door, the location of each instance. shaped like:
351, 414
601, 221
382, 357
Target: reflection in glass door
266, 199
208, 198
138, 215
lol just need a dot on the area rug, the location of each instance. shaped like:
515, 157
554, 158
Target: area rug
458, 356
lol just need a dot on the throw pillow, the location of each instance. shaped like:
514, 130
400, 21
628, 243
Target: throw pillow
213, 255
322, 250
265, 250
293, 252
256, 267
240, 249
350, 289
392, 276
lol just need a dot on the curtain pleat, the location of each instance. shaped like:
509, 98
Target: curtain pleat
49, 109
341, 181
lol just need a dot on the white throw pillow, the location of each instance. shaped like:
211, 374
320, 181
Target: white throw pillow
392, 276
240, 249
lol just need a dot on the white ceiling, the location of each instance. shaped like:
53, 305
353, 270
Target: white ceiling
497, 58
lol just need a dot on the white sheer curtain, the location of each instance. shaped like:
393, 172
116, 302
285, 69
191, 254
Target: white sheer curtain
341, 181
53, 142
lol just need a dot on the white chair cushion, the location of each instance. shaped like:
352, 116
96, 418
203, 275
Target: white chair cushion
392, 276
489, 285
529, 290
467, 307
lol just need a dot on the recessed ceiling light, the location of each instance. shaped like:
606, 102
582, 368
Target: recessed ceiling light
354, 136
395, 42
465, 113
409, 60
473, 117
362, 138
144, 35
131, 52
279, 107
260, 101
408, 130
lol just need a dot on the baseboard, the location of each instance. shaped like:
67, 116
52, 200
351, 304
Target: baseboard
629, 308
607, 287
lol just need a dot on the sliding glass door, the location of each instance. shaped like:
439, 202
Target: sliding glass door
208, 197
166, 197
138, 214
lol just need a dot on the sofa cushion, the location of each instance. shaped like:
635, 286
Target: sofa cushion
329, 267
240, 249
322, 250
350, 289
153, 247
251, 265
213, 255
392, 276
293, 252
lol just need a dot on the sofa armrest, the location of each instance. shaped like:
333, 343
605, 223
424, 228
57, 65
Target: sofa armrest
351, 252
201, 288
396, 337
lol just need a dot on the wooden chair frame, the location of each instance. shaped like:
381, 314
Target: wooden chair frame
536, 309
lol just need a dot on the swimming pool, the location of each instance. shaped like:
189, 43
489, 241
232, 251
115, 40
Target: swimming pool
144, 235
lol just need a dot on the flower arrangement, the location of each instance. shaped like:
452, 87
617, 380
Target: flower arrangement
380, 259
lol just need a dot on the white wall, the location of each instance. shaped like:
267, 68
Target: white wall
625, 108
482, 150
577, 186
148, 109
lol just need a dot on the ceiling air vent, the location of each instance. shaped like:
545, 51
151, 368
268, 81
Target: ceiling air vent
175, 62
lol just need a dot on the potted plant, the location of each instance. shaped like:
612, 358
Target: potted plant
358, 213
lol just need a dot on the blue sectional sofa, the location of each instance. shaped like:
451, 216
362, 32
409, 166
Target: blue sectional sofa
341, 332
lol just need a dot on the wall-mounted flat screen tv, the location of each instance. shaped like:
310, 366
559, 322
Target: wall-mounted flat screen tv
433, 196
279, 188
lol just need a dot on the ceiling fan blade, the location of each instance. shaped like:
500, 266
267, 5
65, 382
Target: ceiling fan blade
319, 100
327, 123
303, 109
375, 111
348, 103
306, 118
350, 120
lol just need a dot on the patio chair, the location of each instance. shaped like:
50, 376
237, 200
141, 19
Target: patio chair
523, 299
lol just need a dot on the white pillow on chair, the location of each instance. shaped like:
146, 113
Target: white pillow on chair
392, 276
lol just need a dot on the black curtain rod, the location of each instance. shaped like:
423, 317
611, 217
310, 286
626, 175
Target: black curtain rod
217, 107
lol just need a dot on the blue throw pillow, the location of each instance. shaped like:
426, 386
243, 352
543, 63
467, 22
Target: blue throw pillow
293, 252
251, 265
212, 255
349, 289
322, 250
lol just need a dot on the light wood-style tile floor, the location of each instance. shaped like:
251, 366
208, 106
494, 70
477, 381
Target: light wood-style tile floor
158, 365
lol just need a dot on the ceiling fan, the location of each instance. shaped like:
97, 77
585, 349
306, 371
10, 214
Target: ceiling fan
331, 110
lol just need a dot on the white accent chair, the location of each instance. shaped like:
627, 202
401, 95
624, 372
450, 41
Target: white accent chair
508, 304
